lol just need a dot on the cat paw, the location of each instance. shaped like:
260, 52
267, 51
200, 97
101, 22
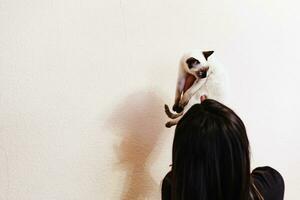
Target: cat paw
184, 101
169, 124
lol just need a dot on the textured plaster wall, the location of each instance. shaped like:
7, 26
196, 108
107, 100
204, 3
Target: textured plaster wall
83, 84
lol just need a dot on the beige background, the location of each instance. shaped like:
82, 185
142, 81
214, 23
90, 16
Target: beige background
83, 84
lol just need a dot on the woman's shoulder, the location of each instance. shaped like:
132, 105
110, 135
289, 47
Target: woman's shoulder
269, 182
267, 174
166, 186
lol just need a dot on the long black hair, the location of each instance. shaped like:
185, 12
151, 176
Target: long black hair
210, 158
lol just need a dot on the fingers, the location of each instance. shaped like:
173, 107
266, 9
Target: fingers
202, 98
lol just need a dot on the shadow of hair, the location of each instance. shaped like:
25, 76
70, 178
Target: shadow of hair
139, 122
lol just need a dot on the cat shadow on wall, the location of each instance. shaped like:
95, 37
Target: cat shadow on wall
139, 121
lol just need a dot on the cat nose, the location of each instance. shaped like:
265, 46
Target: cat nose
205, 69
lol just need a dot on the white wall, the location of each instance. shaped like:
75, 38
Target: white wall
83, 84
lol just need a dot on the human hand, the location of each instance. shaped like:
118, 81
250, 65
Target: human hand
202, 98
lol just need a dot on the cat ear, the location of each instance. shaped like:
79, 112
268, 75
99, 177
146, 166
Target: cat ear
207, 54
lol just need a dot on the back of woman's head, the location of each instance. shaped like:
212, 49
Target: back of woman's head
210, 158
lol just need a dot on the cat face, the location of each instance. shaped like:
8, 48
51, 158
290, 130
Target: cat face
196, 61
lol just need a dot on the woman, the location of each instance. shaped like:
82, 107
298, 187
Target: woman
211, 159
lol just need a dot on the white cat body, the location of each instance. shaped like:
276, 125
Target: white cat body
213, 85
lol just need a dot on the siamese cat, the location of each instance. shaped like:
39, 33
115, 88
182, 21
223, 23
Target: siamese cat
199, 74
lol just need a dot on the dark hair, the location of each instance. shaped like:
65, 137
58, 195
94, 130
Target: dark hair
210, 158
